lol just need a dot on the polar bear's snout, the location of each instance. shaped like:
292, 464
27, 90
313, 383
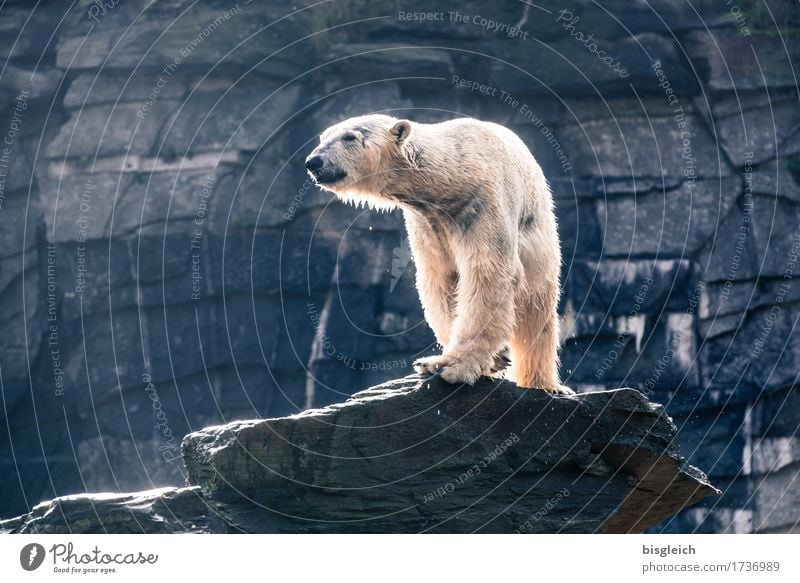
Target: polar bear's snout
314, 163
322, 169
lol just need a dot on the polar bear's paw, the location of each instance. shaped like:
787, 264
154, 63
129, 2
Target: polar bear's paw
558, 389
502, 360
451, 369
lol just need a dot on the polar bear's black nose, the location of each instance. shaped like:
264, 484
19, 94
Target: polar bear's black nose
314, 163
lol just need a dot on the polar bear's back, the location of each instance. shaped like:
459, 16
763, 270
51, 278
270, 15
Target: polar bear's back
483, 153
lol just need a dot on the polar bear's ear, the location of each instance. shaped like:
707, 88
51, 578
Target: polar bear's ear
401, 130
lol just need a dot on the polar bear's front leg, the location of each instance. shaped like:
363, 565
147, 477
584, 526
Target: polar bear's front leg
436, 278
484, 312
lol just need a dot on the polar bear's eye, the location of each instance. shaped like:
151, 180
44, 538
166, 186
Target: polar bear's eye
349, 137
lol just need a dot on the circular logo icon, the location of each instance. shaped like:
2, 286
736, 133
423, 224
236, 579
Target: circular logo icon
31, 556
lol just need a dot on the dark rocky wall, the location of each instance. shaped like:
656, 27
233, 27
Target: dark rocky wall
165, 265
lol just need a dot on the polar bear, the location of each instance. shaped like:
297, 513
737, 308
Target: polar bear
482, 232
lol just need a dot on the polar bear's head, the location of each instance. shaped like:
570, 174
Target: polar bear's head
356, 158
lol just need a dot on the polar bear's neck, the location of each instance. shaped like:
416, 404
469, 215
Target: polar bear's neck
420, 175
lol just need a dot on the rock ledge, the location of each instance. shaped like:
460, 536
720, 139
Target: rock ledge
415, 455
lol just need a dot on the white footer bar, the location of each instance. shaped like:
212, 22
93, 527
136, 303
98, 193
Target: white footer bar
400, 558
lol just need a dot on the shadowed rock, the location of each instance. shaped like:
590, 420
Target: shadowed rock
416, 455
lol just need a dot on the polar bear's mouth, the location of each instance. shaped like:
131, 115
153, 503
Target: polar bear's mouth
329, 176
